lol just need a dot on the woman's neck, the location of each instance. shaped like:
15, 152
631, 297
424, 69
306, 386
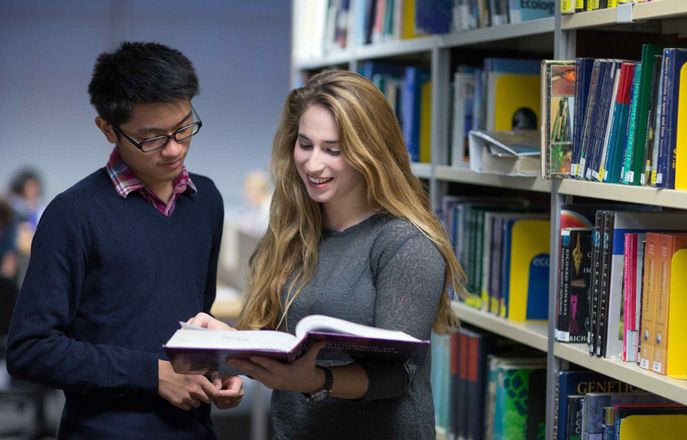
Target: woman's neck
342, 220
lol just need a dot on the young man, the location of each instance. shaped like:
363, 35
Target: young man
120, 258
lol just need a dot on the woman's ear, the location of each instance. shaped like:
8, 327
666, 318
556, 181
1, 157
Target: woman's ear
107, 129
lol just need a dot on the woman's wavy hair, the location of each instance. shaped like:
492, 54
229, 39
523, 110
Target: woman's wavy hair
370, 140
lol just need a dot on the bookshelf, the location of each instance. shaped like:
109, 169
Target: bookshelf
555, 37
531, 333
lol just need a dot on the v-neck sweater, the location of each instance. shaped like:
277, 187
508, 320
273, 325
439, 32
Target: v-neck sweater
108, 282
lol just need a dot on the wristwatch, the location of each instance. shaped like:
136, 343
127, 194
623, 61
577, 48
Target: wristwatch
326, 389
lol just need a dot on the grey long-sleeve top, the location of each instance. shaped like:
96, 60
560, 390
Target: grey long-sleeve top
385, 273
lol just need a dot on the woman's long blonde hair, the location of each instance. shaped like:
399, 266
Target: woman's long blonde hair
370, 140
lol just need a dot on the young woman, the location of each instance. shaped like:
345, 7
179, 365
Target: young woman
351, 235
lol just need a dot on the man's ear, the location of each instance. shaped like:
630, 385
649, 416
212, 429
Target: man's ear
107, 129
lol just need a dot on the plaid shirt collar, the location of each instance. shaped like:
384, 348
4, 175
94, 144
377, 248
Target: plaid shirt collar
126, 182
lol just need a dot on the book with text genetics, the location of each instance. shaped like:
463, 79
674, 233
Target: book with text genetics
192, 350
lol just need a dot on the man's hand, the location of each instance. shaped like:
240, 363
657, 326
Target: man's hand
206, 321
183, 390
230, 391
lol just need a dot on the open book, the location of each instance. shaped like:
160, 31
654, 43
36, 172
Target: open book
193, 350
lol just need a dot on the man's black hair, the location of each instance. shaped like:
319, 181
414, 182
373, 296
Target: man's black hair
139, 73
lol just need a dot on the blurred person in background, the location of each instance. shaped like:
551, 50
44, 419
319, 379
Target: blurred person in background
257, 194
25, 198
8, 242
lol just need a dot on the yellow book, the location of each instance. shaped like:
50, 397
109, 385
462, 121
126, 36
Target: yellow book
668, 245
677, 326
567, 6
654, 427
426, 122
529, 270
649, 295
511, 94
408, 21
681, 141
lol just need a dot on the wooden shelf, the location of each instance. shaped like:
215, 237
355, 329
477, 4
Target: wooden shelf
465, 175
531, 333
673, 389
668, 198
496, 33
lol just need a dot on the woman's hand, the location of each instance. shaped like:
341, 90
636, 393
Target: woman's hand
206, 321
300, 376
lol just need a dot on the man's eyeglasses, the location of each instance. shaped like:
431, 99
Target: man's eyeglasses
159, 142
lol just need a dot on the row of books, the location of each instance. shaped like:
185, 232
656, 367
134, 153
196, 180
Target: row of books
325, 26
621, 275
572, 6
617, 121
409, 91
589, 405
500, 94
486, 387
504, 250
474, 14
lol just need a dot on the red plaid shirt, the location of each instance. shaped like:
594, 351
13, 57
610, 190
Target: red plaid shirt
126, 182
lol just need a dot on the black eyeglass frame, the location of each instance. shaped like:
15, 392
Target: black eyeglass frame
141, 145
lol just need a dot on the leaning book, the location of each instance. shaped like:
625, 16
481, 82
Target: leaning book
193, 350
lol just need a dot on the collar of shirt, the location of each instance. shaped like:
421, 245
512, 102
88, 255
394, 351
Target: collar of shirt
126, 182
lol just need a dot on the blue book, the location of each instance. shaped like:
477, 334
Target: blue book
524, 10
410, 109
369, 69
575, 382
584, 75
665, 176
433, 16
513, 65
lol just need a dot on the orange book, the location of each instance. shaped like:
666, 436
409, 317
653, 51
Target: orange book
646, 351
669, 244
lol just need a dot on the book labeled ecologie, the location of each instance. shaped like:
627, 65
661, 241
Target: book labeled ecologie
193, 350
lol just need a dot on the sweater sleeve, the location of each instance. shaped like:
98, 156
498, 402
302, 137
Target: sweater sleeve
409, 283
40, 348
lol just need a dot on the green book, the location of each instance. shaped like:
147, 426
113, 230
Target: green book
633, 173
631, 128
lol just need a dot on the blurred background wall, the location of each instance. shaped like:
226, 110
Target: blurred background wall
48, 49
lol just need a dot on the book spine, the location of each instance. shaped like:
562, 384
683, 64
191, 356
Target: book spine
646, 354
604, 291
626, 172
665, 245
659, 125
562, 326
645, 176
580, 266
629, 277
595, 281
664, 124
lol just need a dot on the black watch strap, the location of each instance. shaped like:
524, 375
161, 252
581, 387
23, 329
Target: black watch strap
326, 389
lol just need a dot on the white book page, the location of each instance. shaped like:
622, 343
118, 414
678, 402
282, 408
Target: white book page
231, 339
336, 325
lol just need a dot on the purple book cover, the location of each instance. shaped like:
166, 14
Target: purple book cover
193, 351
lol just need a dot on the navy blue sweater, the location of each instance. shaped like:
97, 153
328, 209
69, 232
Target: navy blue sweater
108, 281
